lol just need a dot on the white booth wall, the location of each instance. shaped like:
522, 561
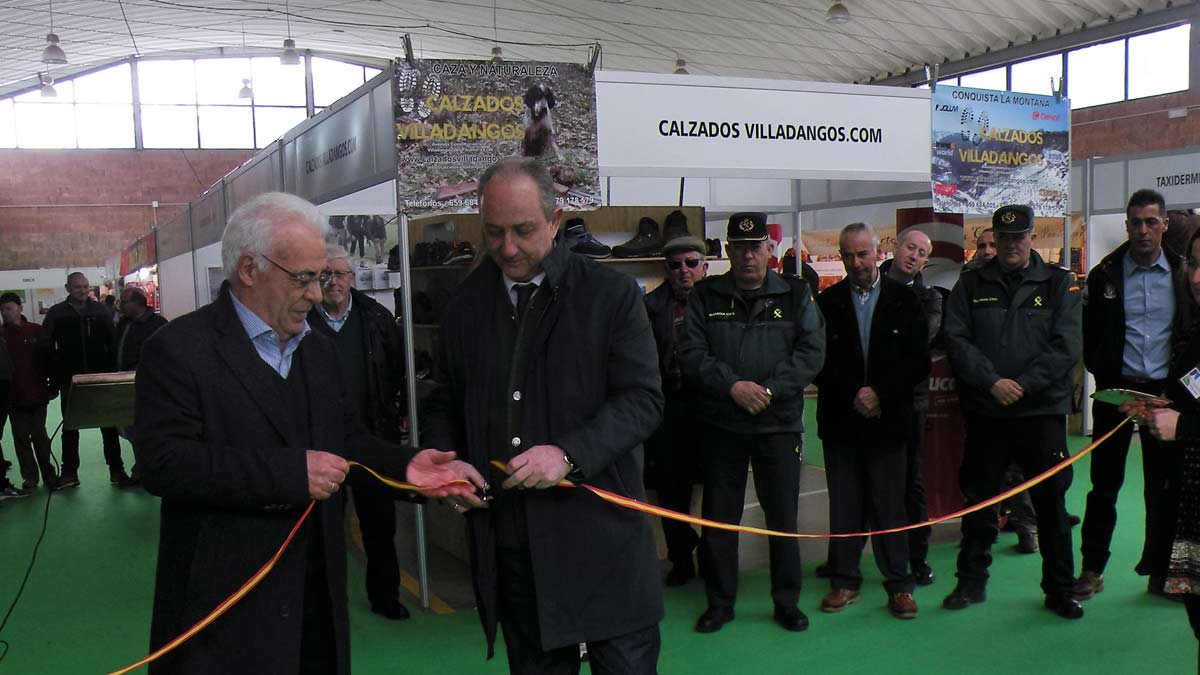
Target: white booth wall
177, 286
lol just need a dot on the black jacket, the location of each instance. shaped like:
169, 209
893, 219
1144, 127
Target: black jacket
218, 445
591, 386
897, 361
778, 342
132, 335
79, 341
659, 304
1031, 336
1104, 316
383, 347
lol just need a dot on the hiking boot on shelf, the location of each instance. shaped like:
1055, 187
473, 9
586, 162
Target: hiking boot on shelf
647, 244
462, 252
580, 241
675, 226
714, 247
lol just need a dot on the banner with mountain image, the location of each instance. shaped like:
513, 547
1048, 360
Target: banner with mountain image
992, 148
456, 118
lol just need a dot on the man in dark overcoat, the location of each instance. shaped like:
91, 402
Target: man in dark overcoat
549, 366
242, 420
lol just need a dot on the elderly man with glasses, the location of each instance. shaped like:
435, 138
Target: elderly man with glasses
244, 420
370, 351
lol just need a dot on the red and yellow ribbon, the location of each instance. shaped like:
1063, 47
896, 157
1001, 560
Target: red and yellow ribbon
612, 498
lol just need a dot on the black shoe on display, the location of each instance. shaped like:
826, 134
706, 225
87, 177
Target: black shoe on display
714, 247
963, 596
713, 619
791, 618
420, 255
674, 226
922, 572
647, 244
462, 252
580, 241
394, 610
1064, 606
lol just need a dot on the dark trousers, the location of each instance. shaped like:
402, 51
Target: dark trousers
33, 445
5, 388
914, 492
633, 653
1035, 443
376, 509
1192, 603
70, 446
672, 464
866, 491
1160, 491
776, 460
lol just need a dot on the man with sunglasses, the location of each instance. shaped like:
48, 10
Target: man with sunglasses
370, 351
1128, 306
671, 463
244, 424
753, 340
1013, 335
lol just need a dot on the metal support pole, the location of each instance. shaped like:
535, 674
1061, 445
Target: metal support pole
410, 369
1085, 420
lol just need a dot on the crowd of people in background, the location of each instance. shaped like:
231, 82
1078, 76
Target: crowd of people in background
547, 366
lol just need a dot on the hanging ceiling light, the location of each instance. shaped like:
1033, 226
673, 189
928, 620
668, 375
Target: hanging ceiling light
246, 91
680, 67
47, 89
52, 52
837, 13
497, 55
289, 57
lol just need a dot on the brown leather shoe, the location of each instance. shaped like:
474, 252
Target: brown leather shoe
838, 599
1087, 585
902, 605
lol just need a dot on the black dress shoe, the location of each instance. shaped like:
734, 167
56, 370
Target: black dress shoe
394, 610
680, 574
824, 570
713, 619
922, 572
791, 618
1064, 606
1073, 519
1027, 542
964, 596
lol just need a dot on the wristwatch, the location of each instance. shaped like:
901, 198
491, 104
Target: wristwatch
769, 394
574, 475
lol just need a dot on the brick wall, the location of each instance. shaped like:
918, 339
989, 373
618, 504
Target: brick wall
1135, 126
72, 208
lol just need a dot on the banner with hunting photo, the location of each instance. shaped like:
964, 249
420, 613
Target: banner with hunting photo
456, 118
992, 148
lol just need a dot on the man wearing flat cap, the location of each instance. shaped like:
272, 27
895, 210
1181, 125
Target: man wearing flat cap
752, 341
672, 453
1013, 334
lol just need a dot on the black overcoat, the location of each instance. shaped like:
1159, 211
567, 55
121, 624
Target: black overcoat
219, 446
897, 360
591, 387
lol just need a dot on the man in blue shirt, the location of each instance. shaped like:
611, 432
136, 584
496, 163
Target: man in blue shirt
1127, 311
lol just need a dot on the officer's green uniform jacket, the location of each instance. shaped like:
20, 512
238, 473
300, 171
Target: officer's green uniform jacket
1032, 337
778, 341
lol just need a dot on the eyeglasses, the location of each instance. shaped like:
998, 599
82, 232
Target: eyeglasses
301, 279
329, 275
692, 263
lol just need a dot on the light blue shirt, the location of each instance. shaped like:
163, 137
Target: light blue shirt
864, 311
266, 340
1149, 308
336, 324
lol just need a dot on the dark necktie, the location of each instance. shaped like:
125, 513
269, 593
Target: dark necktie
524, 293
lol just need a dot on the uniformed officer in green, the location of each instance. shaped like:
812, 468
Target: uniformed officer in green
752, 341
1013, 329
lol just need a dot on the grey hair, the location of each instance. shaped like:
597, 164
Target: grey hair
335, 252
858, 227
530, 168
250, 230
